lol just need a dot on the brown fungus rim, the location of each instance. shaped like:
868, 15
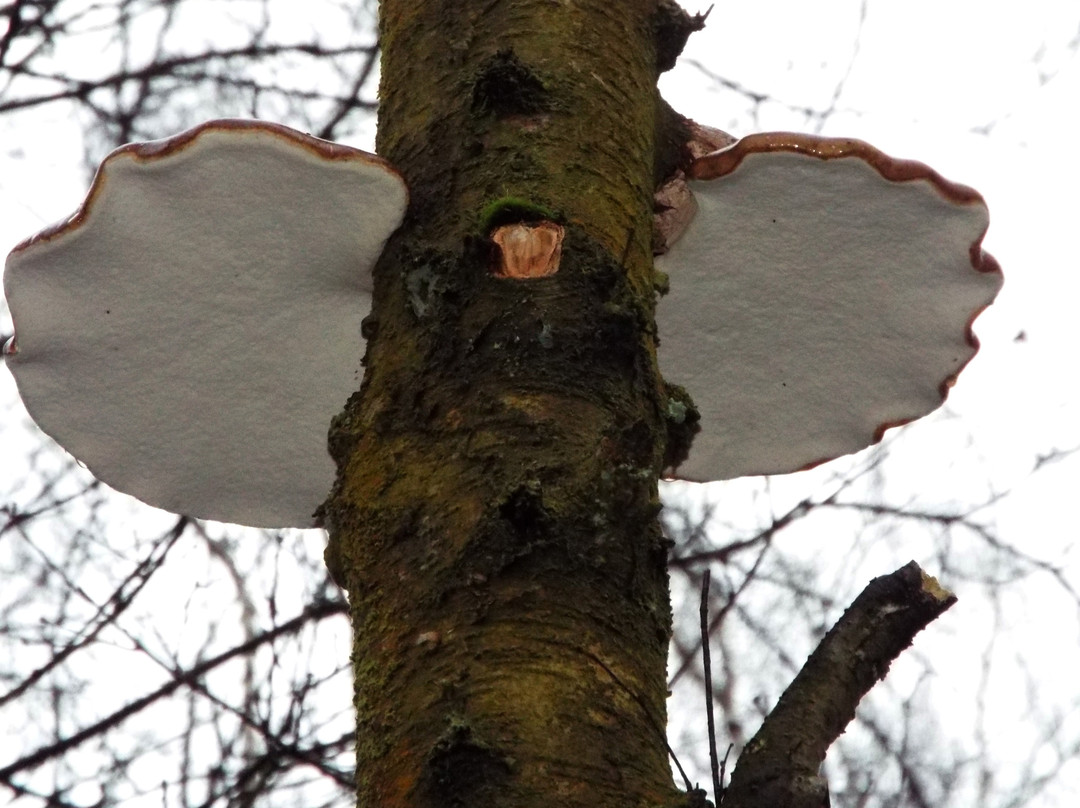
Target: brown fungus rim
148, 151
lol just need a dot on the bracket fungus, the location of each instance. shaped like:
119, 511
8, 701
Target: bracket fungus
190, 332
192, 329
822, 293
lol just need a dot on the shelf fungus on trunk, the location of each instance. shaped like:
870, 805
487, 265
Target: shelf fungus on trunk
821, 293
192, 329
190, 332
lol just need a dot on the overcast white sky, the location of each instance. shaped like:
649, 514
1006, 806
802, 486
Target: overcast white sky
985, 93
988, 97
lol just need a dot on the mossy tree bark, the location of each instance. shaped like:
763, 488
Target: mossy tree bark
495, 519
495, 516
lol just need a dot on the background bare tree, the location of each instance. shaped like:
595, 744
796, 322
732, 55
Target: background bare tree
148, 657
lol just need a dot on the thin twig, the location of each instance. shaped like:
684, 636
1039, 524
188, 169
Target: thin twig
707, 662
648, 715
315, 611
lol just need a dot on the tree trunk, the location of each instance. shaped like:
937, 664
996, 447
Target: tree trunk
495, 518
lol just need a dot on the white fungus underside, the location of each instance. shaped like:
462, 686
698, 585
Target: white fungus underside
192, 339
812, 302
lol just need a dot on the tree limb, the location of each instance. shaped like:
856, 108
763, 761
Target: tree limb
779, 767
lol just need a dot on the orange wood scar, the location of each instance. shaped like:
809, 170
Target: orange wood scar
528, 250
